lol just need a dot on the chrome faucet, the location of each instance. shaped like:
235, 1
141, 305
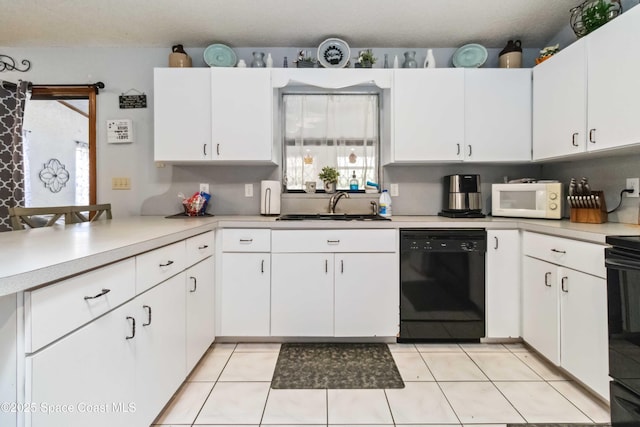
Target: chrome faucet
333, 201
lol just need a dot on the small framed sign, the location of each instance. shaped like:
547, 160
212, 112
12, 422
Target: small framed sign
133, 101
119, 131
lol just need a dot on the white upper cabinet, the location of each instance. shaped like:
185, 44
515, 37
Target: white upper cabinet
213, 115
560, 104
585, 97
241, 106
613, 54
428, 115
182, 114
497, 115
453, 114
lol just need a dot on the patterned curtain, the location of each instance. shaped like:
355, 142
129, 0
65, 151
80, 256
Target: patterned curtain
12, 101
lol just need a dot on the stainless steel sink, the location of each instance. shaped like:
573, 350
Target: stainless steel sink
332, 217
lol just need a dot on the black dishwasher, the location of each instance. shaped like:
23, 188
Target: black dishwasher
442, 285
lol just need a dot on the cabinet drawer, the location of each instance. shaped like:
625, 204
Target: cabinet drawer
246, 240
334, 241
159, 264
577, 255
57, 309
199, 247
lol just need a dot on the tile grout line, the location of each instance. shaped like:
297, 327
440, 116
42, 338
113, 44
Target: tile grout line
571, 401
214, 385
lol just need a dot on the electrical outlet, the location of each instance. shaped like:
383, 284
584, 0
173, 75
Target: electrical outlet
248, 190
204, 187
635, 184
393, 189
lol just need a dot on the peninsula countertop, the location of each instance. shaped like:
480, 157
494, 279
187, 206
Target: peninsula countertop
32, 258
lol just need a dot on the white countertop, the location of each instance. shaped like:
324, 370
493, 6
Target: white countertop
31, 258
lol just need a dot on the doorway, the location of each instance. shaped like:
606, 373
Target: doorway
59, 146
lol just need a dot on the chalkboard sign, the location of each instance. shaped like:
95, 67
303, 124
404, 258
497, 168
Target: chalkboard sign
133, 101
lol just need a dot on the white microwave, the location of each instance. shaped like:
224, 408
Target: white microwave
529, 200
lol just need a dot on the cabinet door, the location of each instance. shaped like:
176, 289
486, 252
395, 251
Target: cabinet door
94, 365
367, 292
245, 294
497, 115
583, 334
560, 104
540, 318
503, 284
160, 345
302, 295
613, 83
428, 110
182, 114
200, 310
241, 114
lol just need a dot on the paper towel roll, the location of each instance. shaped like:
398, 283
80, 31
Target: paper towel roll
270, 197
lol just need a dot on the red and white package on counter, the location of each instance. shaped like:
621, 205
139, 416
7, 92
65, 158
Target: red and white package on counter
196, 204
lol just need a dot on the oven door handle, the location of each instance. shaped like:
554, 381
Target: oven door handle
621, 265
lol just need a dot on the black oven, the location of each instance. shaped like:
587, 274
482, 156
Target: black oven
623, 301
442, 284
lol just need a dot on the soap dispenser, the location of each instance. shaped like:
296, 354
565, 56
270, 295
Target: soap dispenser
353, 182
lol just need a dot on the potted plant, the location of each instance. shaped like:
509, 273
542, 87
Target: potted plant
365, 59
305, 60
596, 15
329, 176
547, 53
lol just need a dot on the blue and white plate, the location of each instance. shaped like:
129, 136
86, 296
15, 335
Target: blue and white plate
470, 56
220, 55
333, 53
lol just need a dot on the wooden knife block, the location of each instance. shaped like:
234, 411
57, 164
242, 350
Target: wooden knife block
591, 215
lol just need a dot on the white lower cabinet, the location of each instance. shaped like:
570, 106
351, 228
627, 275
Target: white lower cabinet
89, 371
342, 283
503, 284
366, 295
565, 310
302, 295
583, 329
120, 369
200, 313
160, 365
540, 317
245, 293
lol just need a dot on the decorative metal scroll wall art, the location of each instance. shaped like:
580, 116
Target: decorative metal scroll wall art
7, 63
54, 176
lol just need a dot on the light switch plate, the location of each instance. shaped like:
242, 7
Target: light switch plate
204, 187
394, 190
121, 183
248, 190
633, 183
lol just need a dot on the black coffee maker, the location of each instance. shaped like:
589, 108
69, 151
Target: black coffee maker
462, 197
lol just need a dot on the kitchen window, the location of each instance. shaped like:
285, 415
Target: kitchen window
338, 130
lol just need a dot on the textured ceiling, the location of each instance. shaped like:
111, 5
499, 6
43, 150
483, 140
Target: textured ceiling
286, 23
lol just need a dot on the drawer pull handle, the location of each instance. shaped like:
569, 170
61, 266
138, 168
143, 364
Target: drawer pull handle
592, 138
246, 240
262, 267
203, 247
167, 264
333, 242
218, 149
341, 266
204, 149
133, 327
558, 251
546, 279
104, 292
496, 246
563, 284
469, 151
148, 308
326, 266
573, 139
458, 153
195, 284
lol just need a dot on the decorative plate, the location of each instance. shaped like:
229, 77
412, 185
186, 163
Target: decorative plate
219, 55
470, 56
333, 53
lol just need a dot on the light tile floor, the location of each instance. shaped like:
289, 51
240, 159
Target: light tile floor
485, 385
